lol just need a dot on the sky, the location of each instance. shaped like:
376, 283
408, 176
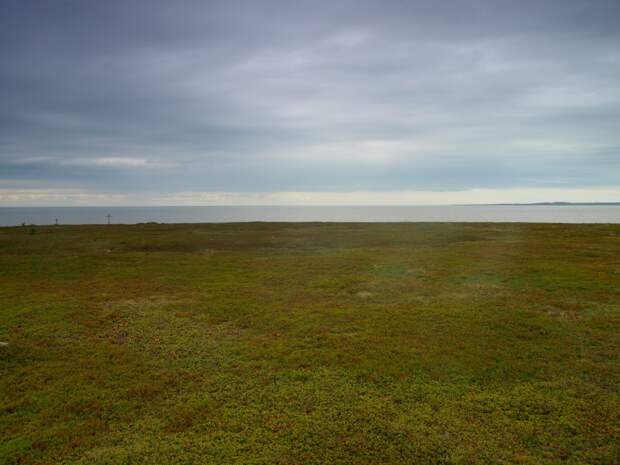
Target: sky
308, 102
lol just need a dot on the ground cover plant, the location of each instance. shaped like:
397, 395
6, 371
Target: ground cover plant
273, 343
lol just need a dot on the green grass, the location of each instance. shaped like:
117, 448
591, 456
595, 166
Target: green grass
310, 343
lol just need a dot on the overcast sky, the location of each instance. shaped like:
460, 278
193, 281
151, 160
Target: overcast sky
202, 102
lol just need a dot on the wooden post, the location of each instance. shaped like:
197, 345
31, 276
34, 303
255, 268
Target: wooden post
109, 216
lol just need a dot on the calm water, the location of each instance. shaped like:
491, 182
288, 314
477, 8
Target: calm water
130, 215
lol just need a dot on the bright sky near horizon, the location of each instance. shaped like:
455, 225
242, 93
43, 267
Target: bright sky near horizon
309, 102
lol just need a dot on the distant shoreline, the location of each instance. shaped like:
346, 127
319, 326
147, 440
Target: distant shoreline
550, 204
532, 204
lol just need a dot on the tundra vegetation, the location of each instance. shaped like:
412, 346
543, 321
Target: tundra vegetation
274, 343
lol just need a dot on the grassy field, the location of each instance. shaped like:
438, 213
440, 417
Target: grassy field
310, 343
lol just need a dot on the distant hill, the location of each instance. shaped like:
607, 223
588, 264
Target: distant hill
561, 204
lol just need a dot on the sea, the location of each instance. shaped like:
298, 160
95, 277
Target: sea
15, 216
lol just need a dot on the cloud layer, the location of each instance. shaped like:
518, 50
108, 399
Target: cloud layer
148, 99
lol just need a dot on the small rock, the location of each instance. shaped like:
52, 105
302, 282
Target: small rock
4, 344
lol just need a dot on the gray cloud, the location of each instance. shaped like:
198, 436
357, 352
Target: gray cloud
309, 96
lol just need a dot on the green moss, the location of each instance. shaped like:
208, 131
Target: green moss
312, 343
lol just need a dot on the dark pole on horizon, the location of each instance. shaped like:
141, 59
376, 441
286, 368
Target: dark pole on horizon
109, 216
56, 221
